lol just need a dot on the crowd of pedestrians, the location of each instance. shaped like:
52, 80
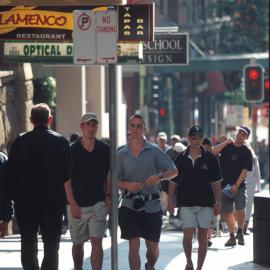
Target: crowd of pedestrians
46, 177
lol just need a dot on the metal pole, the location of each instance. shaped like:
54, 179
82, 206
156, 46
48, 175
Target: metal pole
170, 106
254, 127
83, 89
113, 164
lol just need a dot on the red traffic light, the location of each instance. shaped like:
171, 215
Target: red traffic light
253, 74
266, 84
162, 112
253, 83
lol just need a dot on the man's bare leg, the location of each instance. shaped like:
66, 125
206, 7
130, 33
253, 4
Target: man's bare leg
134, 255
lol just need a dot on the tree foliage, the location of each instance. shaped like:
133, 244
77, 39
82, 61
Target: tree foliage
45, 91
247, 30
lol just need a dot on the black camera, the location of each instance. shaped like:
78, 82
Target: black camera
138, 202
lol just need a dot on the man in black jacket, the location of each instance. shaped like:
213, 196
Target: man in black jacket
37, 175
6, 209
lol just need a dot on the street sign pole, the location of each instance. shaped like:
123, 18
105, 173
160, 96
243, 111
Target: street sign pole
113, 164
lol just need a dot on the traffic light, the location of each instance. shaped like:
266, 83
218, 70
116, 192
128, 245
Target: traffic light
253, 83
266, 90
155, 91
164, 109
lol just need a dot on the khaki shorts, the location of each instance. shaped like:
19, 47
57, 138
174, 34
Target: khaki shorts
239, 202
196, 217
91, 224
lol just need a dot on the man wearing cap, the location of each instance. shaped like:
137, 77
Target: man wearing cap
171, 150
198, 193
162, 141
91, 187
235, 161
141, 167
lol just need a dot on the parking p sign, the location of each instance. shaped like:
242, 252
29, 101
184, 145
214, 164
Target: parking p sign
84, 37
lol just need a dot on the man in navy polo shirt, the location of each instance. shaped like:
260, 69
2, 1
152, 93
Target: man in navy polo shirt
198, 193
235, 161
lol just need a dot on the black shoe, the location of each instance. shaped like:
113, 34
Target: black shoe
146, 266
209, 243
231, 242
240, 239
246, 231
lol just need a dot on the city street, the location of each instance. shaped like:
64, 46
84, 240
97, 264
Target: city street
171, 253
110, 100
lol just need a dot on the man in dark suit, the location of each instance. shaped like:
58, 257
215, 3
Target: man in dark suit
37, 175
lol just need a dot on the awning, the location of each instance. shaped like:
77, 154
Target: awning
217, 63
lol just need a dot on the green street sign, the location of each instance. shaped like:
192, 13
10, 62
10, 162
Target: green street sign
61, 52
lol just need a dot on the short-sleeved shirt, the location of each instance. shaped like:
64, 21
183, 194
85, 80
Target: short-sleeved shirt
89, 172
194, 181
151, 161
233, 160
38, 166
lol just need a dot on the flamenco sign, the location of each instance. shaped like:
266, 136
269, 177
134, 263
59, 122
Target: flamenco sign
38, 22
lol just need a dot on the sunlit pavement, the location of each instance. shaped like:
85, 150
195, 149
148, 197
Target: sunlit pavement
171, 254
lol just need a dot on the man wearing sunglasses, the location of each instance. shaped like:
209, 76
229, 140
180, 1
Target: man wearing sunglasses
91, 187
198, 193
235, 162
141, 168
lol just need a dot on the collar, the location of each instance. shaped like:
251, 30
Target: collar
39, 127
146, 145
186, 152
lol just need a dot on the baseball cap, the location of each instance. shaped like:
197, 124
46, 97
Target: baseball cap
195, 131
245, 129
206, 141
176, 137
162, 135
179, 147
87, 117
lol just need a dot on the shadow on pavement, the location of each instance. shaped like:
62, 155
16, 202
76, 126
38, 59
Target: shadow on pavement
249, 265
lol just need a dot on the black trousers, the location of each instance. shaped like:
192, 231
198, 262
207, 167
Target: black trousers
50, 223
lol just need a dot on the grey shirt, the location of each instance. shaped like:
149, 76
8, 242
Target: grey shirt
151, 161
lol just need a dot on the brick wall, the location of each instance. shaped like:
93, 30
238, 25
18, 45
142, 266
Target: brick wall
16, 95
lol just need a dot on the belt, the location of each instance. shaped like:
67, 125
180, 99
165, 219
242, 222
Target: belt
148, 197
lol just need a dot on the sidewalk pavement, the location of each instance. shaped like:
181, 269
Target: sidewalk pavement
171, 254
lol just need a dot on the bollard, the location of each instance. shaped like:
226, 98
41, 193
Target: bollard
261, 226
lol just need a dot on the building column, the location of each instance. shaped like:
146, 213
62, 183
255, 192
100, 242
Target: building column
70, 99
81, 90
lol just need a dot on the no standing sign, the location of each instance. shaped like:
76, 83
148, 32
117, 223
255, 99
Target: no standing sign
94, 37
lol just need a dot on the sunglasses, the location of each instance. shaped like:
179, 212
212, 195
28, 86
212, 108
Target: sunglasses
136, 126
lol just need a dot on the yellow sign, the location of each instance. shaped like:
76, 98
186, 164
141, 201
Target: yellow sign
30, 18
38, 22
